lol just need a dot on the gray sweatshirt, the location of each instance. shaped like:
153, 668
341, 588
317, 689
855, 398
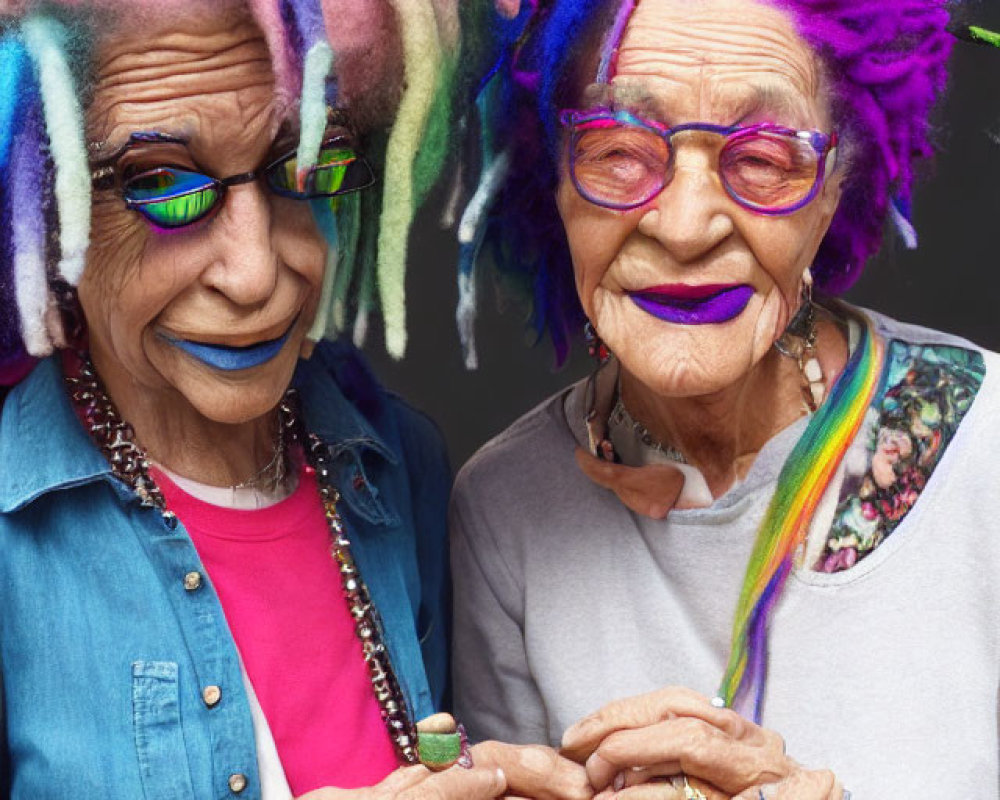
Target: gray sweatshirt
886, 673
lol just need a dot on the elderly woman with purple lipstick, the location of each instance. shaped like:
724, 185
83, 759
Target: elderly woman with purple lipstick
754, 554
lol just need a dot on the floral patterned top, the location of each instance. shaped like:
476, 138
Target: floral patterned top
927, 389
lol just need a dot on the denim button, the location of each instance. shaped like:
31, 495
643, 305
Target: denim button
211, 695
237, 782
192, 581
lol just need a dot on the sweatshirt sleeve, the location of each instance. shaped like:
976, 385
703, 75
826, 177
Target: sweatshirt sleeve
495, 693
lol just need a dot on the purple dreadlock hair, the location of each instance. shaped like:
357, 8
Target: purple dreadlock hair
886, 63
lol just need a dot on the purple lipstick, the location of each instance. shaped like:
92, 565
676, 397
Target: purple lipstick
703, 304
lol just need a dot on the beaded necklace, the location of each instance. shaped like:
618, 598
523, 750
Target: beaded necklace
130, 464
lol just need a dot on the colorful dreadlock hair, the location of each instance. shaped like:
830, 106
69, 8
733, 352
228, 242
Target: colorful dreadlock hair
887, 65
394, 61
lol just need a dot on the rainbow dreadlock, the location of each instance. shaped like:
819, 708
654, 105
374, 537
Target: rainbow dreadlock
370, 46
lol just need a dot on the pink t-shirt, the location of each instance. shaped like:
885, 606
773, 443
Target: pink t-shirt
283, 599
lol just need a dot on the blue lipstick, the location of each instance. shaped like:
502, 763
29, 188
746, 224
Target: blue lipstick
231, 359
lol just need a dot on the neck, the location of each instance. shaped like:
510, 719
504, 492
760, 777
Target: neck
174, 434
721, 433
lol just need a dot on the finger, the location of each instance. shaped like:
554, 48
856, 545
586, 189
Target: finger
458, 784
697, 748
535, 771
648, 791
397, 781
639, 711
402, 779
640, 775
800, 785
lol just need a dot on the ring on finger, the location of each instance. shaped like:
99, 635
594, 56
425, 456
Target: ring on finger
680, 782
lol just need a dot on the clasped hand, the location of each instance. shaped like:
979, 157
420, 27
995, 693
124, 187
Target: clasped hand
627, 750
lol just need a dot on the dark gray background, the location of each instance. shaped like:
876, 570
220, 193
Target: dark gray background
951, 282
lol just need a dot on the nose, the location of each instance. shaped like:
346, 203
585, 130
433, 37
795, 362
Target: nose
692, 215
245, 264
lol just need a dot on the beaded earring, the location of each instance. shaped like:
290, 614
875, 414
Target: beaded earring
799, 342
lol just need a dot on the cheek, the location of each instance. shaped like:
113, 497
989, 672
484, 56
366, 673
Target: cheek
785, 247
299, 240
114, 264
595, 238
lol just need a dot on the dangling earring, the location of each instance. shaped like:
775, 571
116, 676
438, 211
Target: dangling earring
799, 342
597, 390
595, 345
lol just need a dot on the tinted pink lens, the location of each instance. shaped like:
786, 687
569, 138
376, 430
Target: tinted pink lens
618, 165
770, 171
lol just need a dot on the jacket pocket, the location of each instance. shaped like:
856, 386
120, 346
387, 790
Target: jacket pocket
159, 739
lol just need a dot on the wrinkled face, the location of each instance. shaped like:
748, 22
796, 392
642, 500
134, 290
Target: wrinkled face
724, 62
213, 314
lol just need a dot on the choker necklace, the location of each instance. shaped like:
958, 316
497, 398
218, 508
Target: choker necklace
129, 463
620, 417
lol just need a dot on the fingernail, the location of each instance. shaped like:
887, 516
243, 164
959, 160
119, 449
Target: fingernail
619, 782
501, 776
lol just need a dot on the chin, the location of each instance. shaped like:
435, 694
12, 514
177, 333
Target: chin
677, 360
237, 397
684, 374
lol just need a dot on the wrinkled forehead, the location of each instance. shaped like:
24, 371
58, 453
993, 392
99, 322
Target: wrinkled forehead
709, 58
150, 50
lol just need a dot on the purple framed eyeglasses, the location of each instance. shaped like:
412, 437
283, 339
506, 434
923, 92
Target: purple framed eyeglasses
620, 161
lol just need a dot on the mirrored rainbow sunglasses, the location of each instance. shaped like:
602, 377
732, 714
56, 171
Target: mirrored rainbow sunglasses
173, 197
620, 161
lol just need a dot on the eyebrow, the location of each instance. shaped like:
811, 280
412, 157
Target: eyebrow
99, 159
288, 131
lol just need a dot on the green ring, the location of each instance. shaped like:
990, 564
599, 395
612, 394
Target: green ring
439, 749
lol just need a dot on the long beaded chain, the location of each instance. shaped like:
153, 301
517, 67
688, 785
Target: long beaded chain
130, 463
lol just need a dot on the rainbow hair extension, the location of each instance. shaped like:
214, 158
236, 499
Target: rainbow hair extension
13, 63
609, 55
45, 39
13, 357
433, 152
471, 232
366, 268
27, 176
324, 212
287, 78
422, 58
317, 62
350, 226
801, 485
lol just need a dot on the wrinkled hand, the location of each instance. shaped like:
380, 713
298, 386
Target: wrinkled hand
652, 490
419, 783
535, 771
631, 745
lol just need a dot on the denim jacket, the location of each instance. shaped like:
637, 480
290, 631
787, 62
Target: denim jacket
120, 681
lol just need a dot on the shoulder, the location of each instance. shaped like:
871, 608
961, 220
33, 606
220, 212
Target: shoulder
521, 466
947, 377
405, 429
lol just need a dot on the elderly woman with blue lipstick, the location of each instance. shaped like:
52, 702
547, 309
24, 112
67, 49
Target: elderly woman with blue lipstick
212, 584
754, 555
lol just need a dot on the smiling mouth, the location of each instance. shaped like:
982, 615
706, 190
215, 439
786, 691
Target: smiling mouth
686, 304
231, 359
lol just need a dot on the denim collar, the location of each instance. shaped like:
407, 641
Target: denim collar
44, 448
